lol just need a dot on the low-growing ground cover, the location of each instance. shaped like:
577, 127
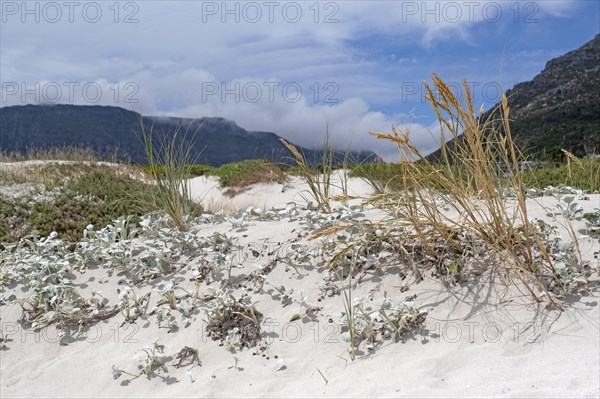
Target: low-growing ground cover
66, 198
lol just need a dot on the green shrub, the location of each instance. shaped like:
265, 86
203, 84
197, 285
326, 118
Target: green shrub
96, 198
191, 170
201, 170
380, 176
583, 174
244, 173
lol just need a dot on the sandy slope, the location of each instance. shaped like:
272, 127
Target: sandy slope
207, 190
479, 339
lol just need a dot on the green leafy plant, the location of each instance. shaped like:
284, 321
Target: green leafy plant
186, 304
361, 322
150, 358
568, 208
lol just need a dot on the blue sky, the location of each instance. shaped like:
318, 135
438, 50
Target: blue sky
288, 67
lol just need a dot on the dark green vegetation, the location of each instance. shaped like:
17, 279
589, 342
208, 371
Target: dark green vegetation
387, 176
114, 134
245, 173
95, 196
237, 174
583, 174
92, 194
72, 196
560, 107
381, 176
191, 170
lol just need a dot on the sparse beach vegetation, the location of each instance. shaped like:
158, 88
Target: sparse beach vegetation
87, 242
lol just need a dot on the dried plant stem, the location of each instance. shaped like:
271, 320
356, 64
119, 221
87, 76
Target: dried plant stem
471, 176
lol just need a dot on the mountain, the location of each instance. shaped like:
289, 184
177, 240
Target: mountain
116, 131
560, 107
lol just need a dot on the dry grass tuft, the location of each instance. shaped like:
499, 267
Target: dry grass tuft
169, 161
471, 181
319, 182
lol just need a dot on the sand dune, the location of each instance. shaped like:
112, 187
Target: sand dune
480, 338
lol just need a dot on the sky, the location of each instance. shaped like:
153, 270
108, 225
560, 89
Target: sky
296, 68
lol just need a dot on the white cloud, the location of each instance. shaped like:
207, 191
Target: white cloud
176, 51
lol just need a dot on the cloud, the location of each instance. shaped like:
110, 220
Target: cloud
348, 123
174, 55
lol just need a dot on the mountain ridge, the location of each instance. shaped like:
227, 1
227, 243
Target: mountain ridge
110, 130
559, 107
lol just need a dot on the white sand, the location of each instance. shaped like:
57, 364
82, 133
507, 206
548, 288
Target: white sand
266, 196
479, 340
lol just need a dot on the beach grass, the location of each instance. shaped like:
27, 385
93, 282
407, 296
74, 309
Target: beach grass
169, 156
471, 181
317, 178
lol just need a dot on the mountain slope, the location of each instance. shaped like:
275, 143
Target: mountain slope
110, 130
560, 107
